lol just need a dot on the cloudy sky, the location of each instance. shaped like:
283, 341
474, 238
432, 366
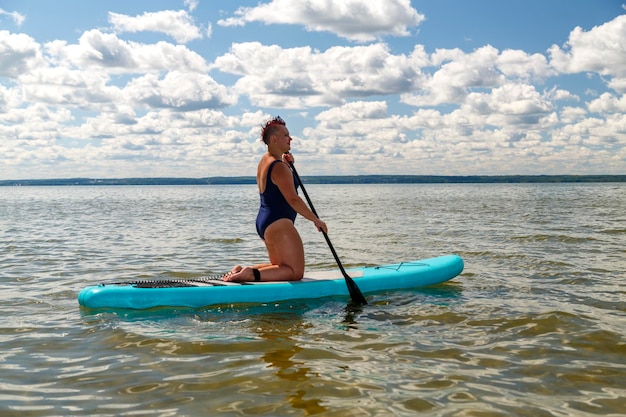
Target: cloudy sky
113, 89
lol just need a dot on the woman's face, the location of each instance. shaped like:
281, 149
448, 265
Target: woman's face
282, 138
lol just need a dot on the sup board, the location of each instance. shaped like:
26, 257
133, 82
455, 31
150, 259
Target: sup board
209, 291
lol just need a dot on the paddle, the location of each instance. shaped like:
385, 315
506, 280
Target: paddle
353, 289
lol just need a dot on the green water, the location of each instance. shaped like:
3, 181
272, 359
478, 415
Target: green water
535, 325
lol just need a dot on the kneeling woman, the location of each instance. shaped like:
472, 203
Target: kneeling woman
280, 204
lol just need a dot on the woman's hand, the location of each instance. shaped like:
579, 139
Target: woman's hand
320, 225
288, 158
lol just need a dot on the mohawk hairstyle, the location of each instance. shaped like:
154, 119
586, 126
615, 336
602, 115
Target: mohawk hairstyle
270, 127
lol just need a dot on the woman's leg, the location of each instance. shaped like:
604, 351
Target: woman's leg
285, 250
286, 253
238, 268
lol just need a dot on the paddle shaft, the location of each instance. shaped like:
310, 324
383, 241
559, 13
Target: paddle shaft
353, 289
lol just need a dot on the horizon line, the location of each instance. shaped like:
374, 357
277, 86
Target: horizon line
324, 179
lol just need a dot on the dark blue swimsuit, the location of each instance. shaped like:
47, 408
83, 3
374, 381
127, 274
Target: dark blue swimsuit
273, 205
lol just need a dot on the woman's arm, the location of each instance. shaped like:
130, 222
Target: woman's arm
283, 178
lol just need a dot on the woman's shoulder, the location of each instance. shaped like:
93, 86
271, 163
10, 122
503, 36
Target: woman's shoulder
279, 166
265, 162
270, 167
279, 172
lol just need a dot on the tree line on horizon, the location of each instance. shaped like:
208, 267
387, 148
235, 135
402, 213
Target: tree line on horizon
326, 179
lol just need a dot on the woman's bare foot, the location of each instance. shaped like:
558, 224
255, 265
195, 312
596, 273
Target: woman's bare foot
239, 274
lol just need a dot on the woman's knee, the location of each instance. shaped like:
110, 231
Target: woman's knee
298, 273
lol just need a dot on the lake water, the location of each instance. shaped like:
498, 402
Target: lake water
534, 326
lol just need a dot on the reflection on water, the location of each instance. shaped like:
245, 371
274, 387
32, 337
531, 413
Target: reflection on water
279, 333
533, 326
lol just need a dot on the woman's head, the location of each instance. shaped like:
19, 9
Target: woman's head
270, 128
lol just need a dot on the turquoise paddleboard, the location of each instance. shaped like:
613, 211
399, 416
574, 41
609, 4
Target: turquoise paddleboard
205, 291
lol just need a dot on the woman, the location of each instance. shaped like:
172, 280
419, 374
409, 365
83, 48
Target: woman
280, 204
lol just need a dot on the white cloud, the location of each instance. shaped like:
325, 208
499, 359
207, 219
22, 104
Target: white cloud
601, 50
312, 78
191, 4
178, 90
570, 115
459, 72
557, 94
106, 52
509, 100
176, 23
357, 20
608, 103
17, 18
60, 86
518, 64
18, 54
360, 110
618, 84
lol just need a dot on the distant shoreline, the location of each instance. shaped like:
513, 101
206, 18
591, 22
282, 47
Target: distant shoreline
319, 179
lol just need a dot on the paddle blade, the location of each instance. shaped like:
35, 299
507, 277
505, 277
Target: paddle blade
355, 293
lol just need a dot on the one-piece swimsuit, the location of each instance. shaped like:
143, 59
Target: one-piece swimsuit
273, 205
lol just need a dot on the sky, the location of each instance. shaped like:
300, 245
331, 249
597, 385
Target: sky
164, 88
